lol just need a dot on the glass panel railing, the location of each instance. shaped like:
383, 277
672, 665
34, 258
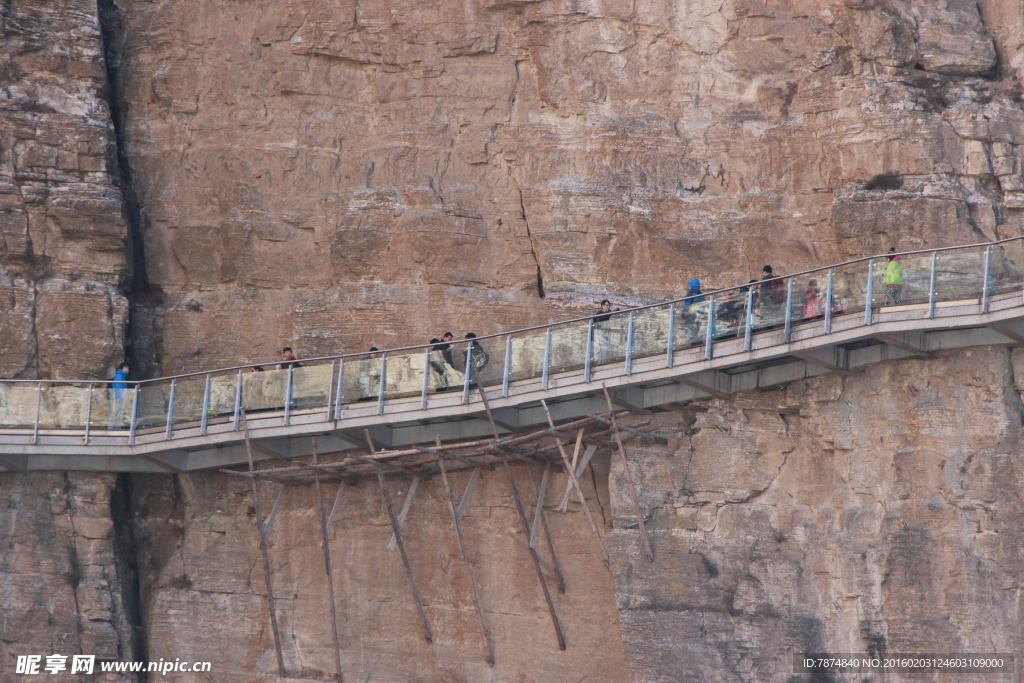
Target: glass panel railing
650, 332
188, 401
689, 314
221, 405
1006, 270
808, 303
111, 408
958, 274
405, 371
361, 379
63, 406
849, 288
730, 314
610, 338
312, 386
770, 305
490, 367
152, 411
527, 355
569, 346
17, 405
443, 375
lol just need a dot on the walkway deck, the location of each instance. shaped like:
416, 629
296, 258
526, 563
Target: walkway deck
657, 357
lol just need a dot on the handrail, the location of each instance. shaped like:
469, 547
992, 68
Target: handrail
544, 326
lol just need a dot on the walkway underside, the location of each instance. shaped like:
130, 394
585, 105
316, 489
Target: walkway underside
653, 383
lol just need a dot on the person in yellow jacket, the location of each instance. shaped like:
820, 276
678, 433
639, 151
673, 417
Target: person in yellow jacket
893, 278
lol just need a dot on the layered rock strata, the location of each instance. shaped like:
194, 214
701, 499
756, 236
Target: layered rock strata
855, 513
334, 174
62, 231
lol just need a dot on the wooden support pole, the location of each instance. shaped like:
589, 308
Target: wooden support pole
263, 551
575, 458
556, 570
526, 525
579, 492
401, 546
629, 479
325, 544
489, 651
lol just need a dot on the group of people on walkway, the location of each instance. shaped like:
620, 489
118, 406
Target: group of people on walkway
763, 300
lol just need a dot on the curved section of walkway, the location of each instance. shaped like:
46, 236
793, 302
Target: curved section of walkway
723, 342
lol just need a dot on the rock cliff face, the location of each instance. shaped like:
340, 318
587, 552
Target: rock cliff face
842, 514
331, 173
62, 231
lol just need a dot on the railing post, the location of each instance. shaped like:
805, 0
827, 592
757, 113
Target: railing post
39, 403
789, 311
239, 388
135, 417
870, 293
383, 382
588, 359
984, 283
170, 411
288, 397
204, 420
508, 366
931, 289
547, 361
426, 378
828, 302
750, 318
469, 373
711, 324
88, 415
339, 393
629, 345
670, 347
330, 392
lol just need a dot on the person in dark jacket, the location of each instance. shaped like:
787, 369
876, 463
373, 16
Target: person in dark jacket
602, 330
288, 359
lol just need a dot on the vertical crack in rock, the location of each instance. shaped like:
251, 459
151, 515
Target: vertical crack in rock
126, 564
533, 246
136, 285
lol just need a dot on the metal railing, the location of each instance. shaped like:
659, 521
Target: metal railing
330, 385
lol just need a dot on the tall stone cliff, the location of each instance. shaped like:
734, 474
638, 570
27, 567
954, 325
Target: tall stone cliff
332, 173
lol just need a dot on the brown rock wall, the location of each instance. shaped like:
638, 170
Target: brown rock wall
62, 230
337, 174
872, 513
201, 566
60, 586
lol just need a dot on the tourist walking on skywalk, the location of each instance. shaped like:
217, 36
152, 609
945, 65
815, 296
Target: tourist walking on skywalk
893, 278
602, 331
118, 397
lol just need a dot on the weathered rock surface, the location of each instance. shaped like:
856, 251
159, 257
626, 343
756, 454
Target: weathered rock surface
62, 230
332, 174
874, 513
877, 513
61, 588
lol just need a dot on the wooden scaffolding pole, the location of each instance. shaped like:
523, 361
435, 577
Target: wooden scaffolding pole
629, 479
263, 549
488, 649
526, 525
401, 546
555, 568
579, 491
325, 544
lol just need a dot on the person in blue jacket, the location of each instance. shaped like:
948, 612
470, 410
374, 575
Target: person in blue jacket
118, 397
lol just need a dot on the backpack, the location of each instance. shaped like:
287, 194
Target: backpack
480, 357
776, 290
